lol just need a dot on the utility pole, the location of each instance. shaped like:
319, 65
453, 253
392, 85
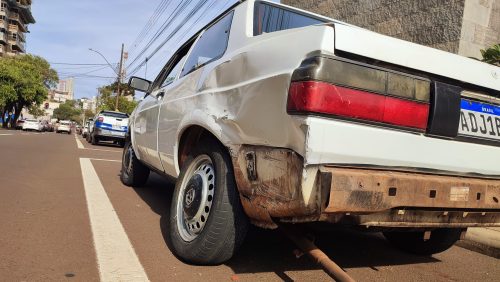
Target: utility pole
120, 72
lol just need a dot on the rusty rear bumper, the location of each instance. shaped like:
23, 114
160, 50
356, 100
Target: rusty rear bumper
368, 191
274, 185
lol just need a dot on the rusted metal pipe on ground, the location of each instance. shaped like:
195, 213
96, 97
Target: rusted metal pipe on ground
308, 247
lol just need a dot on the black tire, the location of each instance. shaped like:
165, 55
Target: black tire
226, 224
413, 242
94, 140
133, 172
121, 144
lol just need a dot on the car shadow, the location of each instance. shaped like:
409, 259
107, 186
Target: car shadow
271, 251
108, 144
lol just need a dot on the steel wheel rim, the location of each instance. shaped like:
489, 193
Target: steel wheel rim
127, 160
195, 198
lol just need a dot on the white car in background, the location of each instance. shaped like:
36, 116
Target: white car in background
109, 126
32, 124
64, 126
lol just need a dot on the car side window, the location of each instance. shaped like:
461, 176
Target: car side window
269, 18
210, 46
173, 73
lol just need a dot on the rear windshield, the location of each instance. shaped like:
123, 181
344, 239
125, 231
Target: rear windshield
113, 114
270, 18
32, 120
65, 122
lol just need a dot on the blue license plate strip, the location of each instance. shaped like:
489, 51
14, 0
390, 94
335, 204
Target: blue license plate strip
479, 120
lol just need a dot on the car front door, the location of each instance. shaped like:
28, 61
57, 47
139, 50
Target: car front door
146, 129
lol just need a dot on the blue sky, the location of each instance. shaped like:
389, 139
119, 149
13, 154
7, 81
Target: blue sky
66, 29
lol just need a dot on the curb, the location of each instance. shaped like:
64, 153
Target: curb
482, 240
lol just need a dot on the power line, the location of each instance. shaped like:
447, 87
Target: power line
79, 64
160, 9
176, 30
175, 13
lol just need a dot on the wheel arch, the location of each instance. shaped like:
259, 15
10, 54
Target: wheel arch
189, 137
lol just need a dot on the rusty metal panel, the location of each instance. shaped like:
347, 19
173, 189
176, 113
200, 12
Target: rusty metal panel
417, 219
369, 191
270, 184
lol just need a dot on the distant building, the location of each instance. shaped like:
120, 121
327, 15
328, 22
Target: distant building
459, 26
64, 91
15, 15
88, 104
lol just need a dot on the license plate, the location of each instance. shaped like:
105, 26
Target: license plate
479, 120
119, 133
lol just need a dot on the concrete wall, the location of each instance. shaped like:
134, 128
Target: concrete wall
435, 23
480, 27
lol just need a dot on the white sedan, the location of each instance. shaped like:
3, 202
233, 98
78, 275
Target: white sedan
64, 126
32, 124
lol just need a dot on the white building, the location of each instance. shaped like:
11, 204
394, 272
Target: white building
64, 91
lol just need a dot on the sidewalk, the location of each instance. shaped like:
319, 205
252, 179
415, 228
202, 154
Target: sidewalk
483, 240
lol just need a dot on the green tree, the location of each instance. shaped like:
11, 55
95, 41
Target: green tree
68, 111
492, 55
107, 98
36, 111
24, 83
88, 114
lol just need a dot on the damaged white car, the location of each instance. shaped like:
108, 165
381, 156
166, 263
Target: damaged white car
309, 119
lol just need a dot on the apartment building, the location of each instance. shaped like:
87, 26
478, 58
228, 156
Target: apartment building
459, 26
15, 16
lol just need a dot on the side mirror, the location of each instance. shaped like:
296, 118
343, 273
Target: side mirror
139, 84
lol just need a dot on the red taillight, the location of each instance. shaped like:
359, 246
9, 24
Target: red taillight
325, 98
100, 119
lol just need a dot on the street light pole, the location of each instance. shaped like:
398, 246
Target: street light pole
100, 54
120, 73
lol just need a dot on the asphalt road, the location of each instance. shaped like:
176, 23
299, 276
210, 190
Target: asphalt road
49, 182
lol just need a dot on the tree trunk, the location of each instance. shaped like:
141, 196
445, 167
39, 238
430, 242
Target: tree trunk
19, 109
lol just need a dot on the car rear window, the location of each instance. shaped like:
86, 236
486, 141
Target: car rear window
32, 120
270, 18
113, 114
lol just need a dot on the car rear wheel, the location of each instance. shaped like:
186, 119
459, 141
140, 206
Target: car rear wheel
414, 242
133, 172
207, 222
94, 140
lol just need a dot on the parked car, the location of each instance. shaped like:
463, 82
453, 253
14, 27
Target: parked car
64, 126
19, 124
32, 125
85, 130
310, 119
109, 126
46, 126
91, 130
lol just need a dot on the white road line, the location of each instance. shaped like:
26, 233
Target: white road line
103, 160
79, 143
116, 257
81, 147
7, 134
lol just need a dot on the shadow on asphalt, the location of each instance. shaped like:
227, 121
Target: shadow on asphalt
107, 144
271, 251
